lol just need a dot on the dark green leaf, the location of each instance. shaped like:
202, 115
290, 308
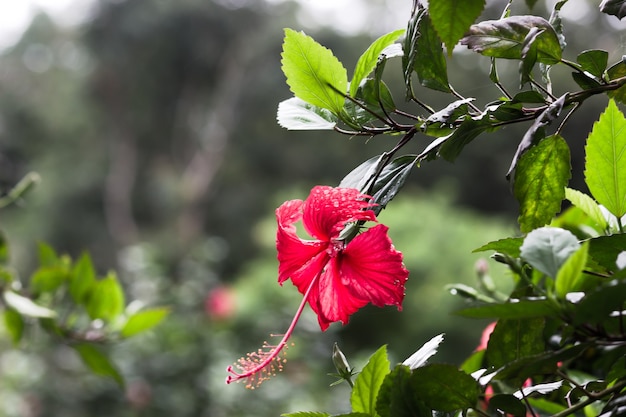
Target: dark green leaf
615, 72
548, 248
361, 175
462, 136
529, 97
618, 370
4, 250
452, 18
98, 362
368, 60
444, 387
313, 73
369, 381
106, 300
508, 404
26, 306
410, 46
430, 62
510, 246
297, 114
506, 111
143, 320
605, 249
396, 398
14, 323
541, 175
536, 132
605, 165
505, 38
597, 305
593, 61
614, 8
514, 339
374, 94
511, 310
451, 113
531, 3
585, 82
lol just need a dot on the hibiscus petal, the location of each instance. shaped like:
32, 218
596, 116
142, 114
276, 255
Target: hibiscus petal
328, 209
371, 268
293, 253
336, 302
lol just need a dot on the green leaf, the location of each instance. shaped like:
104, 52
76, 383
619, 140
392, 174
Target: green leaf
47, 255
605, 165
520, 309
506, 38
616, 71
14, 323
297, 114
373, 94
367, 61
605, 249
508, 404
444, 387
593, 61
313, 73
83, 279
452, 18
26, 306
461, 137
305, 414
548, 248
588, 206
396, 398
143, 320
509, 246
410, 46
541, 176
48, 279
430, 62
614, 8
584, 81
4, 250
597, 305
98, 362
570, 276
369, 381
531, 3
106, 300
514, 339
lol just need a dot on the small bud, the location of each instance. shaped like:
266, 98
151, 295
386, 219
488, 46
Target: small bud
340, 362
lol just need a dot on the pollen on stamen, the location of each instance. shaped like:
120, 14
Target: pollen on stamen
257, 367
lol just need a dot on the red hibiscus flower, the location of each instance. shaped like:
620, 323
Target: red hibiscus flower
337, 274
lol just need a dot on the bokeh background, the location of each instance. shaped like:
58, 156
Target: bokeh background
152, 125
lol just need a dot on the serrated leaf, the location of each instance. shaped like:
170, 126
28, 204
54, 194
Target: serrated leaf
14, 323
369, 381
520, 309
514, 339
313, 73
297, 114
430, 63
367, 61
143, 320
106, 299
506, 38
26, 306
424, 353
98, 362
541, 175
396, 398
616, 71
444, 387
548, 248
452, 18
570, 276
605, 164
83, 278
593, 61
614, 8
587, 205
509, 246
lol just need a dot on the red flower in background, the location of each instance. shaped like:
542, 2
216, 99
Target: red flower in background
336, 275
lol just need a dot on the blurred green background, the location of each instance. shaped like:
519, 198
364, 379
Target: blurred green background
152, 124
